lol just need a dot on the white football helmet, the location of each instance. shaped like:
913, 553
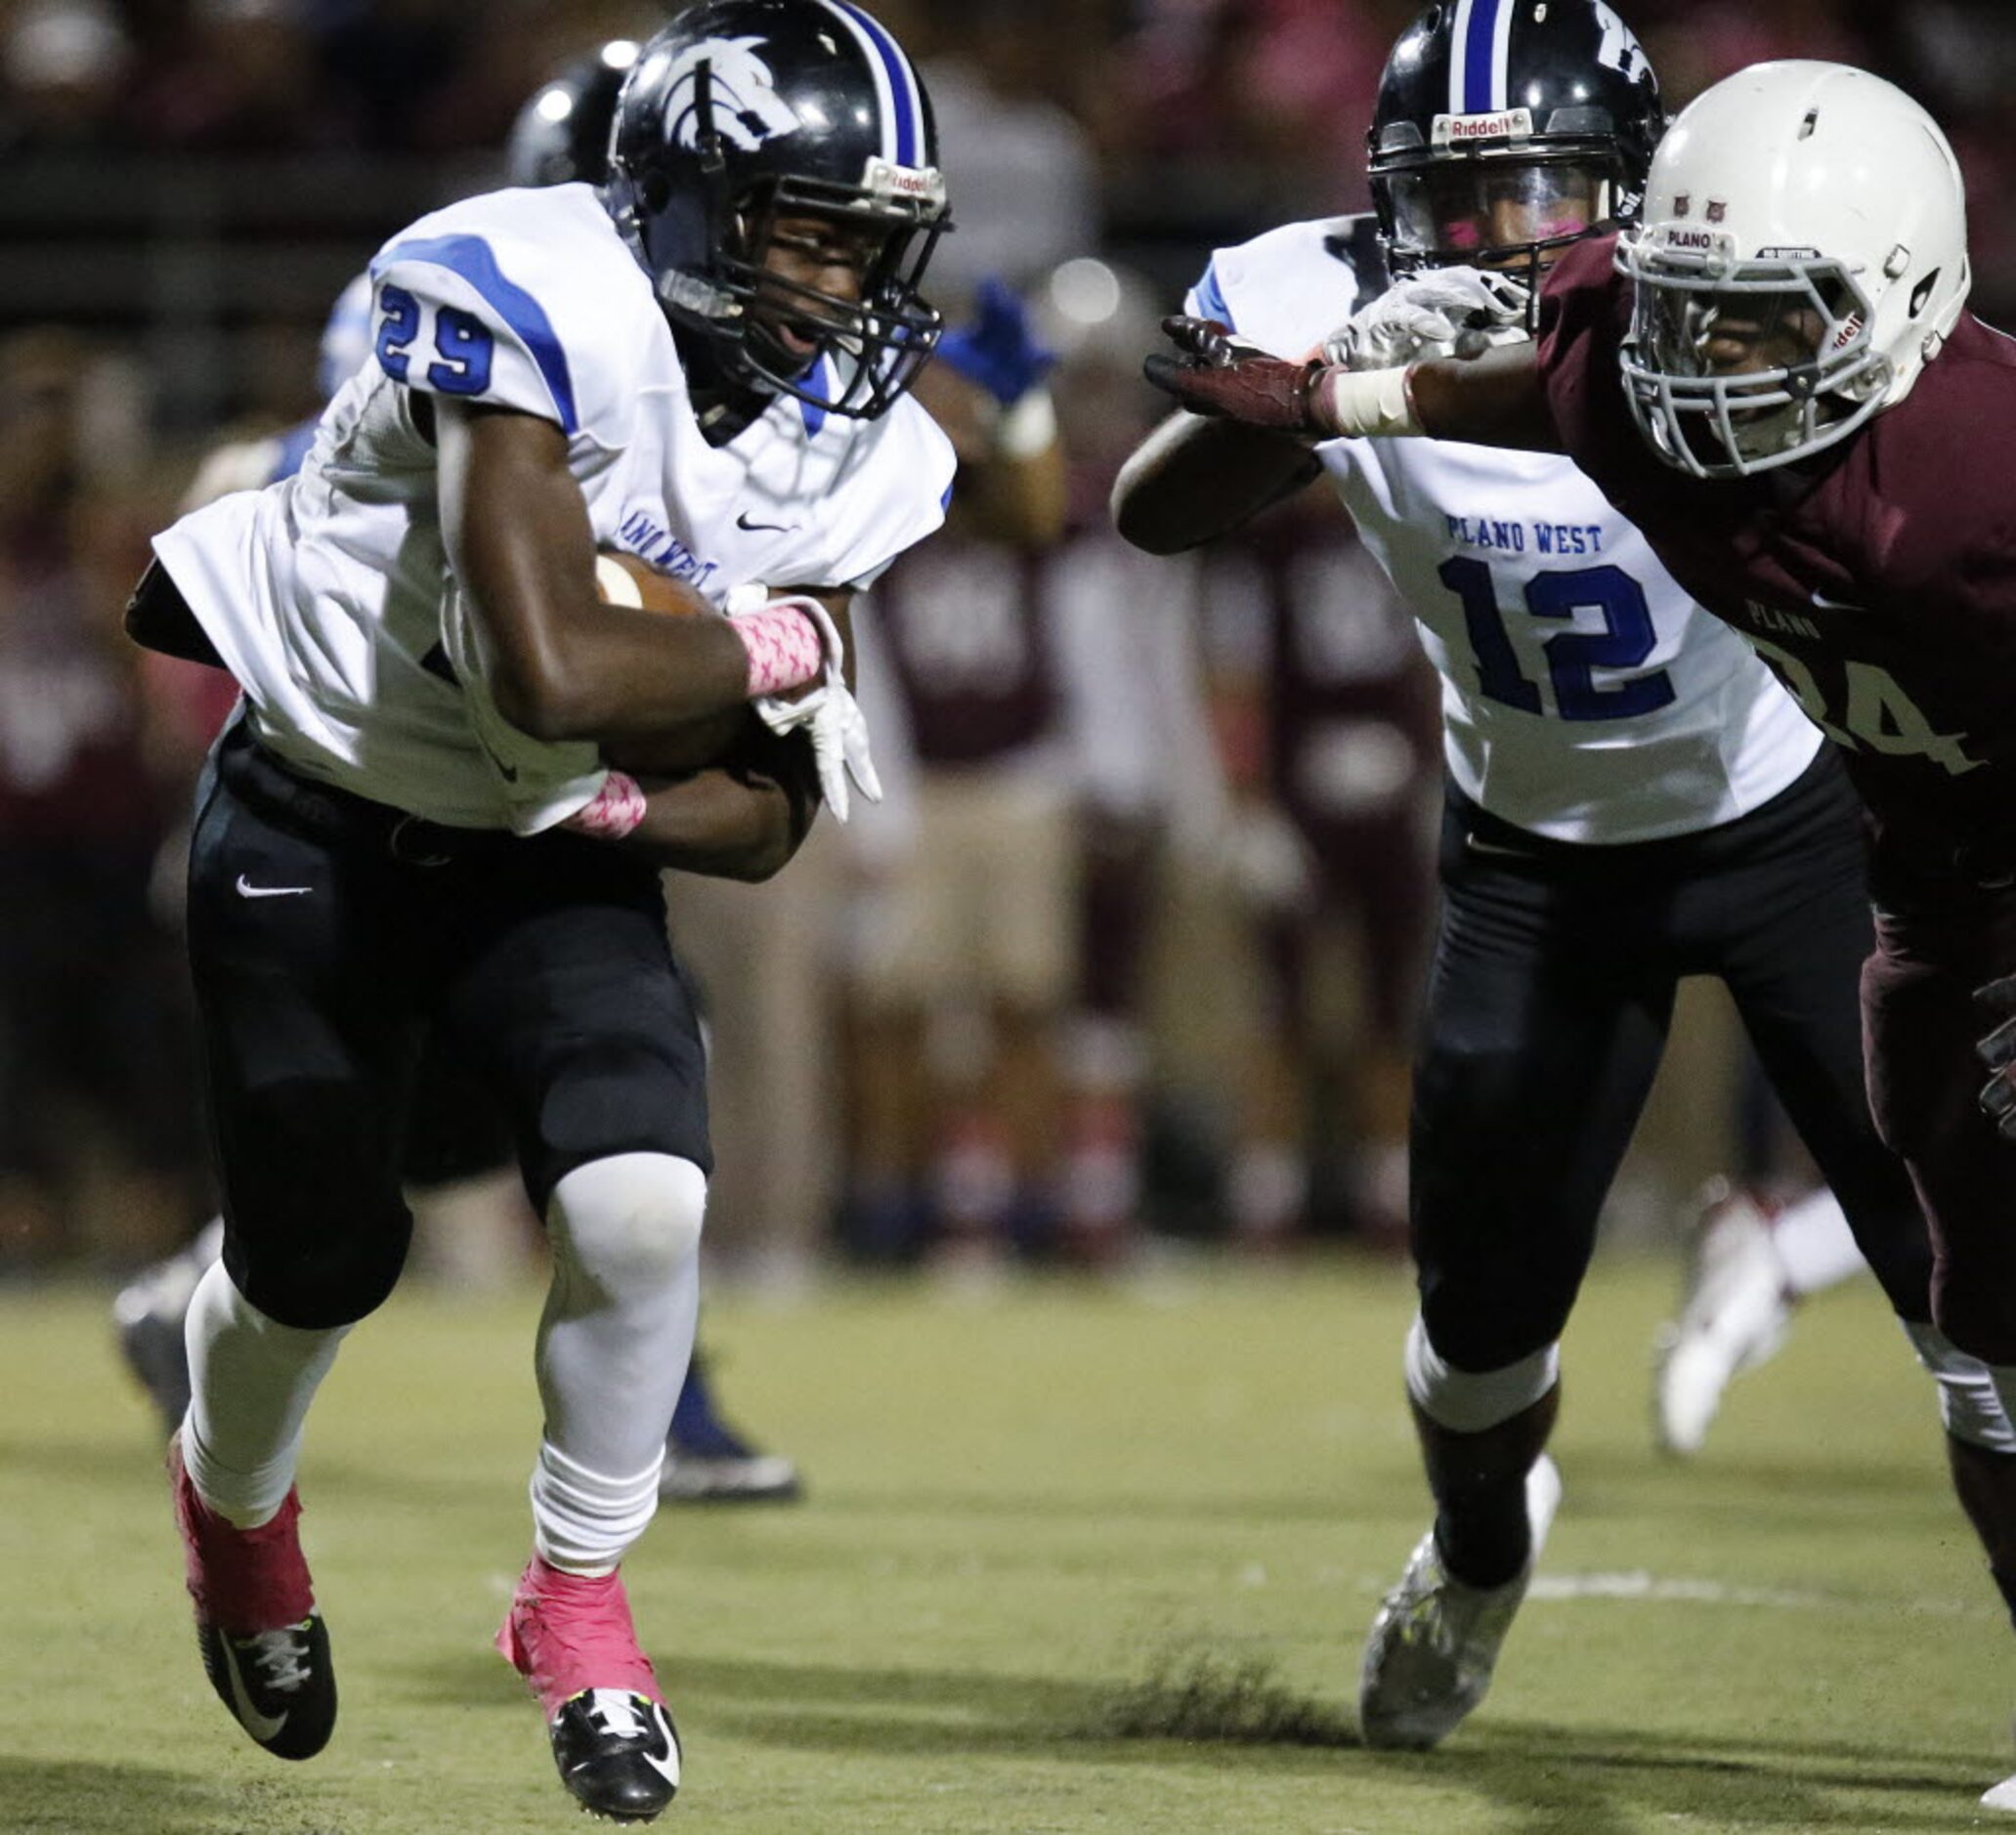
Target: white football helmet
1802, 256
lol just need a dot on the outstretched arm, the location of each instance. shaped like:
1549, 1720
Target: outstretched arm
1492, 400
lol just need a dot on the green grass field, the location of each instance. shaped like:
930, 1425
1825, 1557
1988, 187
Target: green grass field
1073, 1559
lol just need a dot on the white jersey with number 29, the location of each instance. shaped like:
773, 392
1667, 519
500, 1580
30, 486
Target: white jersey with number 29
331, 597
1585, 696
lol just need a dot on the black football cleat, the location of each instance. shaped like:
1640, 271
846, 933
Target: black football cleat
618, 1753
278, 1685
264, 1648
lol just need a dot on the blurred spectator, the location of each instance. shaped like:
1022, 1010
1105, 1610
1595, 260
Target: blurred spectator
99, 1142
1331, 725
62, 62
1019, 166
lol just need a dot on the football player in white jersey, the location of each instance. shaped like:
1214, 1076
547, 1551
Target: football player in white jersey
1631, 798
423, 821
460, 1172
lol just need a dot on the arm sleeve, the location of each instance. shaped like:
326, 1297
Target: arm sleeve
449, 320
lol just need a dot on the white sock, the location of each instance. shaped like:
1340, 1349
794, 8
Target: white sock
1815, 1244
582, 1521
613, 1347
251, 1379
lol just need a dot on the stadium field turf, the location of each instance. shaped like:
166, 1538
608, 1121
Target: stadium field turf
1073, 1559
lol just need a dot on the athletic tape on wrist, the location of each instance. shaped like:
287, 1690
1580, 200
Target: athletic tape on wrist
617, 808
785, 647
1365, 404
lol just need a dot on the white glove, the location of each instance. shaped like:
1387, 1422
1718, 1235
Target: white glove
1438, 312
838, 731
828, 715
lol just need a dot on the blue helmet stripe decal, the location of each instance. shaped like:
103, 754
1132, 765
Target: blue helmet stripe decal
905, 104
470, 257
1479, 43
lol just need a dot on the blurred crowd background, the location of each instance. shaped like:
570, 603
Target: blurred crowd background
1133, 946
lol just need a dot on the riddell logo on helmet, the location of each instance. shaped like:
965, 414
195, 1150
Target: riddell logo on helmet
1457, 130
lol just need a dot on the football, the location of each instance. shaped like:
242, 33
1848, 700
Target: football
624, 579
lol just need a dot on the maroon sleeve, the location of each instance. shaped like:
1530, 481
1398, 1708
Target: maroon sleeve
1585, 312
1935, 516
1585, 309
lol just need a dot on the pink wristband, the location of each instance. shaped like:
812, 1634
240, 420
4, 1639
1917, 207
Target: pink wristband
617, 808
785, 648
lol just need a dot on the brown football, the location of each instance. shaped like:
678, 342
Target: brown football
624, 579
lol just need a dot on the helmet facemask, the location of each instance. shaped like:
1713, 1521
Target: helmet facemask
1734, 367
864, 353
1511, 210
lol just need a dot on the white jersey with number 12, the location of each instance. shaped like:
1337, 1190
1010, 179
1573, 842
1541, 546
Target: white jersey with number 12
1585, 696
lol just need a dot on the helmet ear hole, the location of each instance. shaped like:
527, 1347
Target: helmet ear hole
1923, 291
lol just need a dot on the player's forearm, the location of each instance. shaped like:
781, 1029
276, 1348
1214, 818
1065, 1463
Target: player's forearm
720, 823
616, 674
561, 663
1492, 400
1193, 479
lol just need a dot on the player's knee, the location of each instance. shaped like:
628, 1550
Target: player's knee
348, 1271
1971, 1394
1467, 1401
631, 1220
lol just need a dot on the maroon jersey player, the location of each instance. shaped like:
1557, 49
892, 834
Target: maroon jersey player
1775, 378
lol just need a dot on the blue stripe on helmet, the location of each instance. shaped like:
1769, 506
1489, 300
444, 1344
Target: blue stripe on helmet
902, 86
1478, 46
470, 257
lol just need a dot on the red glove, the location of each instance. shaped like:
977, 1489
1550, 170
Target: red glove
1217, 375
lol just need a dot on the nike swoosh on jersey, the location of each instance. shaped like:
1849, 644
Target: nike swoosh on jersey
263, 1727
1835, 605
742, 522
246, 889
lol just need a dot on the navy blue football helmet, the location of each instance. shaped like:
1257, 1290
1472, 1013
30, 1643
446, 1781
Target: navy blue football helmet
744, 114
561, 136
1506, 129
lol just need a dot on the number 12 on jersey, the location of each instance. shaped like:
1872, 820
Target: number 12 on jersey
1626, 639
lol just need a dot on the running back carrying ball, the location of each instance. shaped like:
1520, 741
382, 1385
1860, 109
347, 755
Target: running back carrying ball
624, 580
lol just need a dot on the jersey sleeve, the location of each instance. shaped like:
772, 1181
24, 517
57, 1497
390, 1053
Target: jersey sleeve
1585, 308
1290, 289
447, 318
1207, 299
